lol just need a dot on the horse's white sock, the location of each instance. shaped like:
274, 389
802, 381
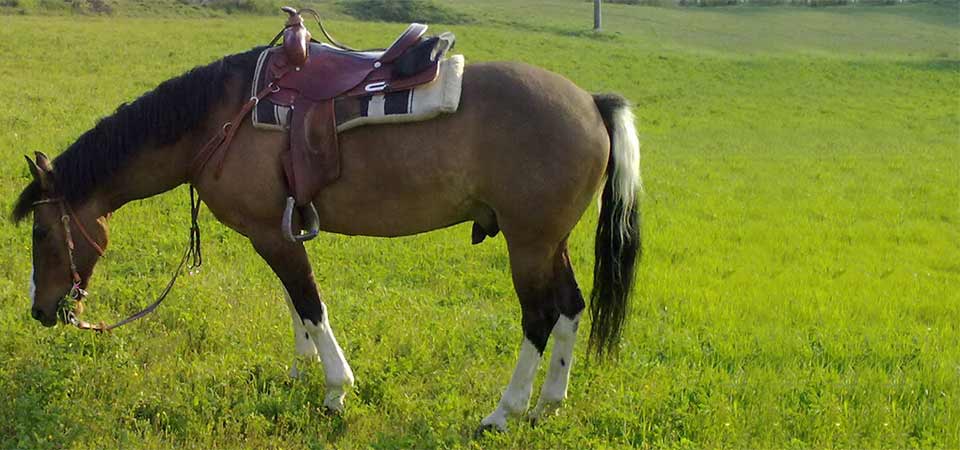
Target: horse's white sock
516, 398
317, 340
33, 289
337, 373
305, 349
558, 375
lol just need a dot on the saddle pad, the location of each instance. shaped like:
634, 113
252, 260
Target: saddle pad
410, 105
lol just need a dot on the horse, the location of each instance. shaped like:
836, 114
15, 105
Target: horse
525, 155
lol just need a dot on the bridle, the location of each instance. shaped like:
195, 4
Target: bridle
77, 293
66, 215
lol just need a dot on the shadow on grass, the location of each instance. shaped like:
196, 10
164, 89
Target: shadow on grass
558, 31
943, 13
937, 65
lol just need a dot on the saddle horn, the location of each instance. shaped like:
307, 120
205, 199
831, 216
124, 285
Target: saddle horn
296, 37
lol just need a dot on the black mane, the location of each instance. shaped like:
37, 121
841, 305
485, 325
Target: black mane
159, 117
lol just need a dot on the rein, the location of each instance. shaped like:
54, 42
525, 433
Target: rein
77, 293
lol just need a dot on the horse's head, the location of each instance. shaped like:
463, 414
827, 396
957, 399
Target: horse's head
67, 243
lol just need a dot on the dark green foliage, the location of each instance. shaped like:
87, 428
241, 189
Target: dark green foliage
403, 11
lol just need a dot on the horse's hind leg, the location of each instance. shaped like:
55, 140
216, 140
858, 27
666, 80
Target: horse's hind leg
289, 261
570, 302
547, 292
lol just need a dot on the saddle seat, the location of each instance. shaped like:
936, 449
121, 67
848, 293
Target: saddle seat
340, 70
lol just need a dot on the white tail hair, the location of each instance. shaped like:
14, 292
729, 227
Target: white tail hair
626, 173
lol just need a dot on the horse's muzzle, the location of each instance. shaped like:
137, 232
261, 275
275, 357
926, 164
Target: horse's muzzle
45, 320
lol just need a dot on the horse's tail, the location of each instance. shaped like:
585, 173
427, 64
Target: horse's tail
617, 243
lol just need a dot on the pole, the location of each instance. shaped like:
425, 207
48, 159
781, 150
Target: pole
596, 15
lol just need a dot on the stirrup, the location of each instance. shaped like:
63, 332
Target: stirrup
310, 219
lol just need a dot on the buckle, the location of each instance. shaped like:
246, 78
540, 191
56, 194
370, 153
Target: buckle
77, 293
375, 87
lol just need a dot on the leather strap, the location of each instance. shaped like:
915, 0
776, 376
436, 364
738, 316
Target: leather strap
102, 326
83, 230
226, 134
314, 156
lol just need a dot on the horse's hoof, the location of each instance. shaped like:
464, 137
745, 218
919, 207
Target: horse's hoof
302, 363
483, 429
334, 407
294, 371
543, 410
331, 412
334, 400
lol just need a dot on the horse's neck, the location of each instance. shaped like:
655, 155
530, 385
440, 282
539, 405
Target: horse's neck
157, 169
152, 171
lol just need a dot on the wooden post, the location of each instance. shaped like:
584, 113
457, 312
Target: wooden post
596, 15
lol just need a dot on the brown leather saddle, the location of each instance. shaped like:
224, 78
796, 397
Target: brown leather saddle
309, 76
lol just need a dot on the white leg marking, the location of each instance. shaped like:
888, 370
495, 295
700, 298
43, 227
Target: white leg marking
305, 348
516, 398
33, 289
338, 376
558, 375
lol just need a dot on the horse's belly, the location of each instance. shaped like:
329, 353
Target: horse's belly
385, 217
392, 184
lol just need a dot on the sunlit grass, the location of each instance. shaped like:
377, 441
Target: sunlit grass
798, 288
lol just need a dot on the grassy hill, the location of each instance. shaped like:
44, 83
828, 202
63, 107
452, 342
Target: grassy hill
798, 289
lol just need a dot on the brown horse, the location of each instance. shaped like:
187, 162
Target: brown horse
524, 155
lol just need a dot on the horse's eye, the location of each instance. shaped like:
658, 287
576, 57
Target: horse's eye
39, 233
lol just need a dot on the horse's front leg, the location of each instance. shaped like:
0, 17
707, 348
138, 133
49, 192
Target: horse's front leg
289, 261
306, 350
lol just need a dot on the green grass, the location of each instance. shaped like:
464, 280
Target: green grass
799, 287
423, 11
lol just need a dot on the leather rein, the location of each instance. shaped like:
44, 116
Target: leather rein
77, 293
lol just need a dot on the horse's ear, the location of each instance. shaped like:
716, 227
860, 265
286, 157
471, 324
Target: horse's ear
43, 162
41, 171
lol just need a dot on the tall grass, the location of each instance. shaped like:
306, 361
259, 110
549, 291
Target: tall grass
798, 288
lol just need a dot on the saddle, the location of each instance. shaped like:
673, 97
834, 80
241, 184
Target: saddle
309, 76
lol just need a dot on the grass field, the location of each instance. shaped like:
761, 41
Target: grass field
799, 287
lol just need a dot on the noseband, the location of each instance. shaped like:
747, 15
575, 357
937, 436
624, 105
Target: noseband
77, 293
